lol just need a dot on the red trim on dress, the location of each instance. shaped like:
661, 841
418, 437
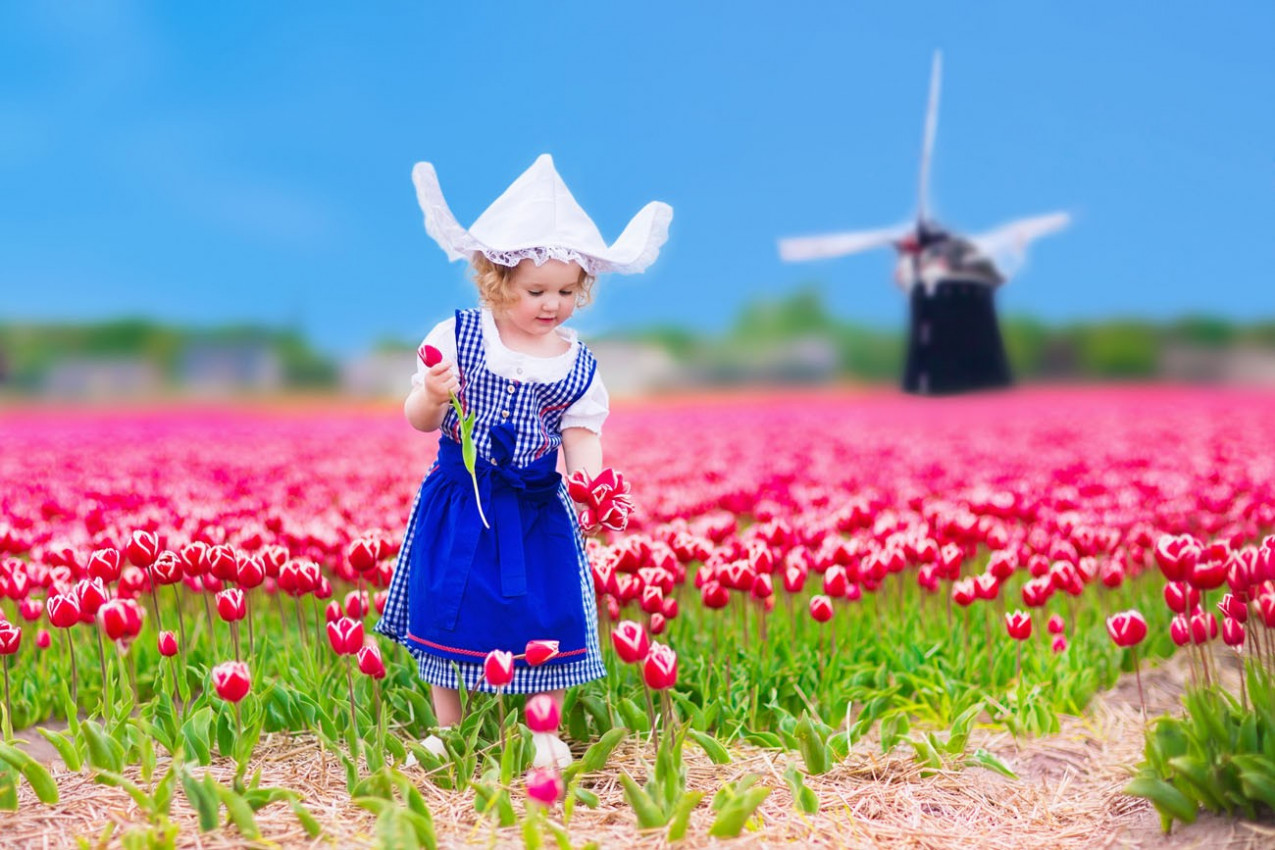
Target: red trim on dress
478, 654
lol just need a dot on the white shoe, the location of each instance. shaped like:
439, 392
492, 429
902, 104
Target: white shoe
433, 744
551, 751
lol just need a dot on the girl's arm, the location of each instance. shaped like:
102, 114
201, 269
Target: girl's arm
428, 403
582, 449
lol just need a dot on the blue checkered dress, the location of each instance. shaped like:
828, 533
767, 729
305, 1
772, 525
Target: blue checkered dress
517, 424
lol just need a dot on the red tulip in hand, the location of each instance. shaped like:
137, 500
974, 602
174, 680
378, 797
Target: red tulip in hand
540, 651
431, 357
231, 680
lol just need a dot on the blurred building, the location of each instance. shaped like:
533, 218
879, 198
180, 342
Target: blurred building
1241, 364
230, 368
635, 368
110, 379
379, 374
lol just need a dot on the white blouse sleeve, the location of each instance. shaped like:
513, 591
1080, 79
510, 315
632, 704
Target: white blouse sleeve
442, 337
590, 410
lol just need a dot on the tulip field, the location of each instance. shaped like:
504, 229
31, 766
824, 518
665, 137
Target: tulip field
834, 584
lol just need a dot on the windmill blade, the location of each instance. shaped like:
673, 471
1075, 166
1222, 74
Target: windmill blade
927, 144
1006, 245
799, 248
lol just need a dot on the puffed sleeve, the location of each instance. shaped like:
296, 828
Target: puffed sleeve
590, 410
442, 337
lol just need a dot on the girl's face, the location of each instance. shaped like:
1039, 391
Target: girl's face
545, 296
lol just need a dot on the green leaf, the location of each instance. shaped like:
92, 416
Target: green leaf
164, 791
585, 796
140, 797
598, 711
308, 821
711, 747
66, 749
105, 752
37, 777
239, 810
649, 814
203, 801
195, 731
595, 758
635, 718
961, 727
814, 752
682, 815
1168, 800
8, 787
731, 819
983, 758
803, 797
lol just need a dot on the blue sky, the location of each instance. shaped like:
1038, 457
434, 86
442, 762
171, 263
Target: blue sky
251, 161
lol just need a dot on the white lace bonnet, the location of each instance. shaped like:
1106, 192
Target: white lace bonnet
537, 218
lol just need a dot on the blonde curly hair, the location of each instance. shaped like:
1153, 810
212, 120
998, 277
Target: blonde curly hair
496, 292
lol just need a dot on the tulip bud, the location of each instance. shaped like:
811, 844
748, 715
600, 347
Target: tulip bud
231, 606
166, 569
167, 644
363, 554
143, 548
1056, 625
821, 609
1059, 644
30, 609
540, 651
250, 571
660, 668
333, 612
370, 661
104, 564
1232, 632
1127, 628
1019, 625
63, 609
498, 668
43, 639
658, 623
630, 641
429, 355
231, 680
10, 638
543, 714
544, 786
346, 636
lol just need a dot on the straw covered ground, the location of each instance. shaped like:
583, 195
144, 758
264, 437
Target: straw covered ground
1068, 795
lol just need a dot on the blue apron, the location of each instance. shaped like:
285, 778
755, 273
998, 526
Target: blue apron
469, 584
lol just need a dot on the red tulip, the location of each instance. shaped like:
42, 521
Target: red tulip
231, 680
1179, 630
370, 661
429, 355
660, 668
794, 579
1266, 607
652, 599
1059, 644
222, 563
143, 548
356, 604
167, 644
1232, 607
43, 639
1127, 628
835, 581
1232, 632
544, 786
1019, 625
363, 554
1056, 625
963, 592
1208, 575
346, 636
498, 668
104, 564
1180, 596
543, 714
658, 622
333, 612
821, 609
92, 594
250, 571
121, 619
10, 638
540, 651
194, 558
30, 609
231, 606
1203, 626
630, 641
713, 595
166, 569
63, 609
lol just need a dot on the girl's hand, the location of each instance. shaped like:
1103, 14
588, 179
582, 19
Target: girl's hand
441, 383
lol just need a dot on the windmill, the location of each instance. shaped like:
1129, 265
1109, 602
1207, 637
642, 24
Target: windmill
954, 342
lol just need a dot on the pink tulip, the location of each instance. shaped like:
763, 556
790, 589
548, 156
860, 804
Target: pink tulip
231, 680
10, 638
544, 786
370, 661
63, 609
231, 606
143, 548
543, 714
821, 609
1056, 625
1019, 625
167, 644
1127, 628
498, 668
630, 641
660, 668
540, 651
346, 636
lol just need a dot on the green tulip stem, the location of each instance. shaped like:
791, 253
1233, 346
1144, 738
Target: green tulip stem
8, 704
181, 622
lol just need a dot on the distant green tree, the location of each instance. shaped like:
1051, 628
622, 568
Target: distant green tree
1118, 349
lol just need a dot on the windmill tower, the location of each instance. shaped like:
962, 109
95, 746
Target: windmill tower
954, 341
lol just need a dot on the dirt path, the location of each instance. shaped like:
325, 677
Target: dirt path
1068, 795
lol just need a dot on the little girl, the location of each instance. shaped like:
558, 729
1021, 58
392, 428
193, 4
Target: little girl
499, 564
